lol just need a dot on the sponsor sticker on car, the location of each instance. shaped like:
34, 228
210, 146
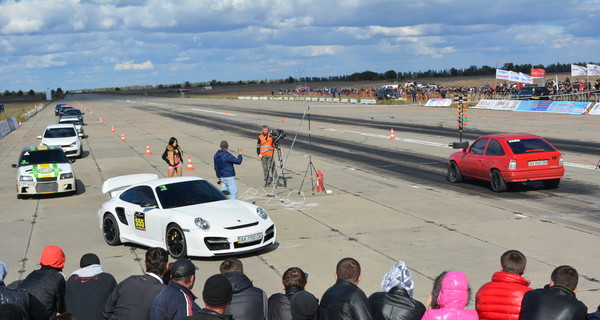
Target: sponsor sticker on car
250, 238
537, 163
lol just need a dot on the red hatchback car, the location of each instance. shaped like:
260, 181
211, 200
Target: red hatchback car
506, 158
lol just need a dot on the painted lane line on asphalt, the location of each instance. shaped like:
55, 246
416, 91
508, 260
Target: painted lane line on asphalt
217, 112
436, 144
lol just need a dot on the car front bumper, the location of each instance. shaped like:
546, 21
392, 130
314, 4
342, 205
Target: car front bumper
202, 244
46, 187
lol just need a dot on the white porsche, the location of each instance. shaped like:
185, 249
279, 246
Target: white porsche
187, 216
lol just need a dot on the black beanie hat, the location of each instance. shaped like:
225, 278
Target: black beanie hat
88, 259
217, 291
304, 306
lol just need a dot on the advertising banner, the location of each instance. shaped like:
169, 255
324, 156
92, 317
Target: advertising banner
538, 73
534, 105
525, 78
578, 70
593, 70
497, 104
568, 107
438, 103
595, 110
502, 74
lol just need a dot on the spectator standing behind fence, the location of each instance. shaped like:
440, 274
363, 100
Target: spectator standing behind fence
395, 301
556, 301
500, 299
293, 280
345, 300
173, 156
248, 302
223, 163
449, 297
47, 284
88, 288
132, 299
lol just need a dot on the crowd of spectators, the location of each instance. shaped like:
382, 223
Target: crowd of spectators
164, 292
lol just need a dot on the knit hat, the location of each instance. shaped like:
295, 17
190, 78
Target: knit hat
398, 276
53, 256
88, 259
224, 145
304, 306
182, 268
3, 271
217, 291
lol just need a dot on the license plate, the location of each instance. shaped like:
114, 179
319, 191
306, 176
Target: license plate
249, 238
538, 163
26, 183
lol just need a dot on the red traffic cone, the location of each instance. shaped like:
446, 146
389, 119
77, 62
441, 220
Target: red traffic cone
148, 150
392, 136
101, 120
123, 136
189, 165
112, 128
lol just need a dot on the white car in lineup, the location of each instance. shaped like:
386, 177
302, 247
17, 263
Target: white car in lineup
187, 215
64, 135
44, 170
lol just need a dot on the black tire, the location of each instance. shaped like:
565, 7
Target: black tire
551, 183
80, 152
110, 230
497, 181
20, 196
454, 174
175, 241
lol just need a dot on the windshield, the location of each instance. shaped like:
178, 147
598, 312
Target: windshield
60, 133
188, 193
73, 121
42, 156
521, 146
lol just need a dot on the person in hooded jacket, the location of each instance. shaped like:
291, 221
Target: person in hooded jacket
294, 281
500, 299
248, 302
395, 301
449, 297
19, 300
223, 163
47, 284
88, 288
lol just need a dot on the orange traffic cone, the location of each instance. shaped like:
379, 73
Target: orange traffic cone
112, 128
91, 112
101, 120
148, 150
123, 136
189, 166
392, 136
20, 123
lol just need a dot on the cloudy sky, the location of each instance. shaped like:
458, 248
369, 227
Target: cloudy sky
110, 43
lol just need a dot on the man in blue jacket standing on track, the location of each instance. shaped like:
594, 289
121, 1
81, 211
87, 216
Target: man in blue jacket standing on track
224, 162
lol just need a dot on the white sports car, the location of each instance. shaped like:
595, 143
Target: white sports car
185, 215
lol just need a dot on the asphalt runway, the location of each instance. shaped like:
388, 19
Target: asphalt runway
390, 200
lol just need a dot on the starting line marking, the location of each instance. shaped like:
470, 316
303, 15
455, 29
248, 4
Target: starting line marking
442, 145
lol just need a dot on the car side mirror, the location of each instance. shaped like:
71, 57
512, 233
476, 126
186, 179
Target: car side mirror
14, 165
39, 137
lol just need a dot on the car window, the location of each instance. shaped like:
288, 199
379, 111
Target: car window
139, 195
59, 133
533, 145
188, 193
494, 148
42, 156
478, 146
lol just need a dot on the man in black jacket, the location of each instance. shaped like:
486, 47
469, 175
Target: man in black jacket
47, 284
217, 295
294, 281
132, 299
88, 288
345, 300
177, 300
28, 307
248, 302
556, 301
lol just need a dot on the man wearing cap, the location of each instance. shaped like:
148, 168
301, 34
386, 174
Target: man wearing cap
224, 169
47, 284
177, 300
132, 299
25, 304
217, 295
304, 306
88, 288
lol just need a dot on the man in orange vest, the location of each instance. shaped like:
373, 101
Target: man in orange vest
265, 149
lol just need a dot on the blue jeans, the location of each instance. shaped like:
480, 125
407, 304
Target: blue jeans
229, 184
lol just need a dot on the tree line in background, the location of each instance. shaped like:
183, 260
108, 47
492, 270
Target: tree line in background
390, 75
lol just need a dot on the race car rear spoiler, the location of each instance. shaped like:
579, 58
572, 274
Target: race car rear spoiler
117, 184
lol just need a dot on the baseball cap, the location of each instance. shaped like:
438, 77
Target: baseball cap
182, 268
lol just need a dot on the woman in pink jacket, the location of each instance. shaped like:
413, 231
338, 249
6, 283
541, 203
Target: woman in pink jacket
449, 298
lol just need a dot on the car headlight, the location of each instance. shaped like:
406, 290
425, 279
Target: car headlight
74, 144
68, 175
202, 224
262, 213
25, 178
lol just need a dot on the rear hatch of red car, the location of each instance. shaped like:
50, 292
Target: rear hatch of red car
534, 154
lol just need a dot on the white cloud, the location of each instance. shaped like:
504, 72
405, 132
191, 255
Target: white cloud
44, 61
129, 65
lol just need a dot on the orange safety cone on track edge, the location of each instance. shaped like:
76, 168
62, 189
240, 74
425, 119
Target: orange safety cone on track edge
392, 136
101, 121
148, 150
189, 165
123, 136
112, 128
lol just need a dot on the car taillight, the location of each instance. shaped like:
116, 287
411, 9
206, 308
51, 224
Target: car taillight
560, 161
512, 165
